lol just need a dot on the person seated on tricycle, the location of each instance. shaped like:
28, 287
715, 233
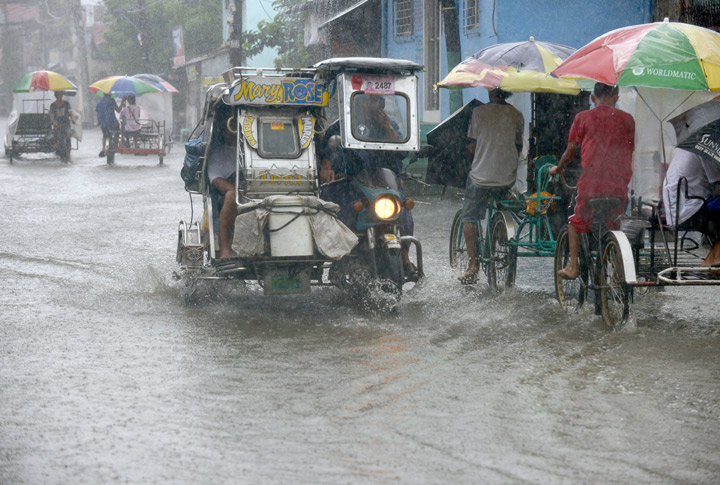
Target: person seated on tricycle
221, 167
700, 212
130, 119
496, 133
606, 136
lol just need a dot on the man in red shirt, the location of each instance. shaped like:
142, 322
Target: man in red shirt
607, 138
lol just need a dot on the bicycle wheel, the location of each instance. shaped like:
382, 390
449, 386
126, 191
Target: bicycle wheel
571, 294
503, 258
614, 292
458, 247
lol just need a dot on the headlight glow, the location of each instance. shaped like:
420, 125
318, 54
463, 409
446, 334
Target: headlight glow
386, 207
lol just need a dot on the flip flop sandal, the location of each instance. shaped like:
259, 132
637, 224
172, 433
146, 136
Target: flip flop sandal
468, 279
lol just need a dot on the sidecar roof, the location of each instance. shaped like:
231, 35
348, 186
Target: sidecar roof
365, 64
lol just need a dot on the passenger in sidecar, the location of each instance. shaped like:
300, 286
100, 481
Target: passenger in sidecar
221, 167
692, 178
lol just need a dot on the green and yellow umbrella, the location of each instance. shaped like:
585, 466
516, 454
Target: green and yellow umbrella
659, 55
43, 81
514, 66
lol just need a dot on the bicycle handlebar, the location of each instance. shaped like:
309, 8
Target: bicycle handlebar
563, 180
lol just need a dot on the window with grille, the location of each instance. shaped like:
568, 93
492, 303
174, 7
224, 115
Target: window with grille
403, 20
471, 16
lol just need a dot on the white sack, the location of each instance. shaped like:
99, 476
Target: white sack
249, 238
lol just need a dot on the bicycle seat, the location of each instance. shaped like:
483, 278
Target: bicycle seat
604, 204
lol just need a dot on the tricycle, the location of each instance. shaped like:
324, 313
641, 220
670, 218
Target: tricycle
150, 140
292, 229
30, 128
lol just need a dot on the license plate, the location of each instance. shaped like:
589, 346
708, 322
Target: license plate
281, 282
284, 282
379, 84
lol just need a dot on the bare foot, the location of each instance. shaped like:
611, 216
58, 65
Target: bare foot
569, 273
469, 277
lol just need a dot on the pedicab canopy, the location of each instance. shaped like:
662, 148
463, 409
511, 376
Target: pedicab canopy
366, 84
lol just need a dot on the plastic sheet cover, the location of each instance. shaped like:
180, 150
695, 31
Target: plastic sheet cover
332, 238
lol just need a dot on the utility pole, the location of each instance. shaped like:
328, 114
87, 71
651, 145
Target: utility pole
452, 42
78, 14
236, 52
142, 38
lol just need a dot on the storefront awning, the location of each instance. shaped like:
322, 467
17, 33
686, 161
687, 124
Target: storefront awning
342, 13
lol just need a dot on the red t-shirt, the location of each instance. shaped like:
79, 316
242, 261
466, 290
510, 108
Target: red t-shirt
607, 138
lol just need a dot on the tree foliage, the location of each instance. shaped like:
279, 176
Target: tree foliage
154, 20
286, 33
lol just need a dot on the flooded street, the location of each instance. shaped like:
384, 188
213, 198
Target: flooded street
107, 376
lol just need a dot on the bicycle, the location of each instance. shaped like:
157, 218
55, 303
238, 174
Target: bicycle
514, 227
601, 268
497, 259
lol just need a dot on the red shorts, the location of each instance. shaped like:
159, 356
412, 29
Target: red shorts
582, 218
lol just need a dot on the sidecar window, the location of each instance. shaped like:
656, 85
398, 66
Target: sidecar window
278, 139
380, 118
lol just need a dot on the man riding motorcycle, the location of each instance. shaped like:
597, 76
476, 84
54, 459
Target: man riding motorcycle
351, 162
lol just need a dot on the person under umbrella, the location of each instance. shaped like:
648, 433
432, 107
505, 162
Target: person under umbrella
496, 130
61, 119
606, 136
701, 210
106, 109
129, 118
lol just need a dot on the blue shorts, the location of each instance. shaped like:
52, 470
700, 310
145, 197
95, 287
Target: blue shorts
477, 198
706, 220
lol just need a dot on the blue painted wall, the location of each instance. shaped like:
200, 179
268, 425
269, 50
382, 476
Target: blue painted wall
569, 22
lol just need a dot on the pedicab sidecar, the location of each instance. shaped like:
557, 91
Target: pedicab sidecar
30, 130
288, 234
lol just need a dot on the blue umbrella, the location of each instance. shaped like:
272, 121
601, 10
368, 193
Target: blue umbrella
158, 82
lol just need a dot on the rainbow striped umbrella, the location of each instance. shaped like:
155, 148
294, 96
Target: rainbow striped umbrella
158, 82
514, 66
43, 81
660, 55
123, 86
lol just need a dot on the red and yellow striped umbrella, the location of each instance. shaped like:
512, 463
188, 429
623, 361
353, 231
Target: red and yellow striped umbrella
659, 55
43, 81
514, 66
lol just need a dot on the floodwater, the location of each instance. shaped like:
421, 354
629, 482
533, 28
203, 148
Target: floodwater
106, 376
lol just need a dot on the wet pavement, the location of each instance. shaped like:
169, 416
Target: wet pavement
107, 376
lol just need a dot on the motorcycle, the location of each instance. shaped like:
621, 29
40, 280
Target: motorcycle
374, 273
288, 233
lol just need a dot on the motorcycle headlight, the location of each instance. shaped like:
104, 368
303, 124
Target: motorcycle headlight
386, 207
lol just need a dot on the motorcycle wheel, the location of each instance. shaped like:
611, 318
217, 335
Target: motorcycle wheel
377, 294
